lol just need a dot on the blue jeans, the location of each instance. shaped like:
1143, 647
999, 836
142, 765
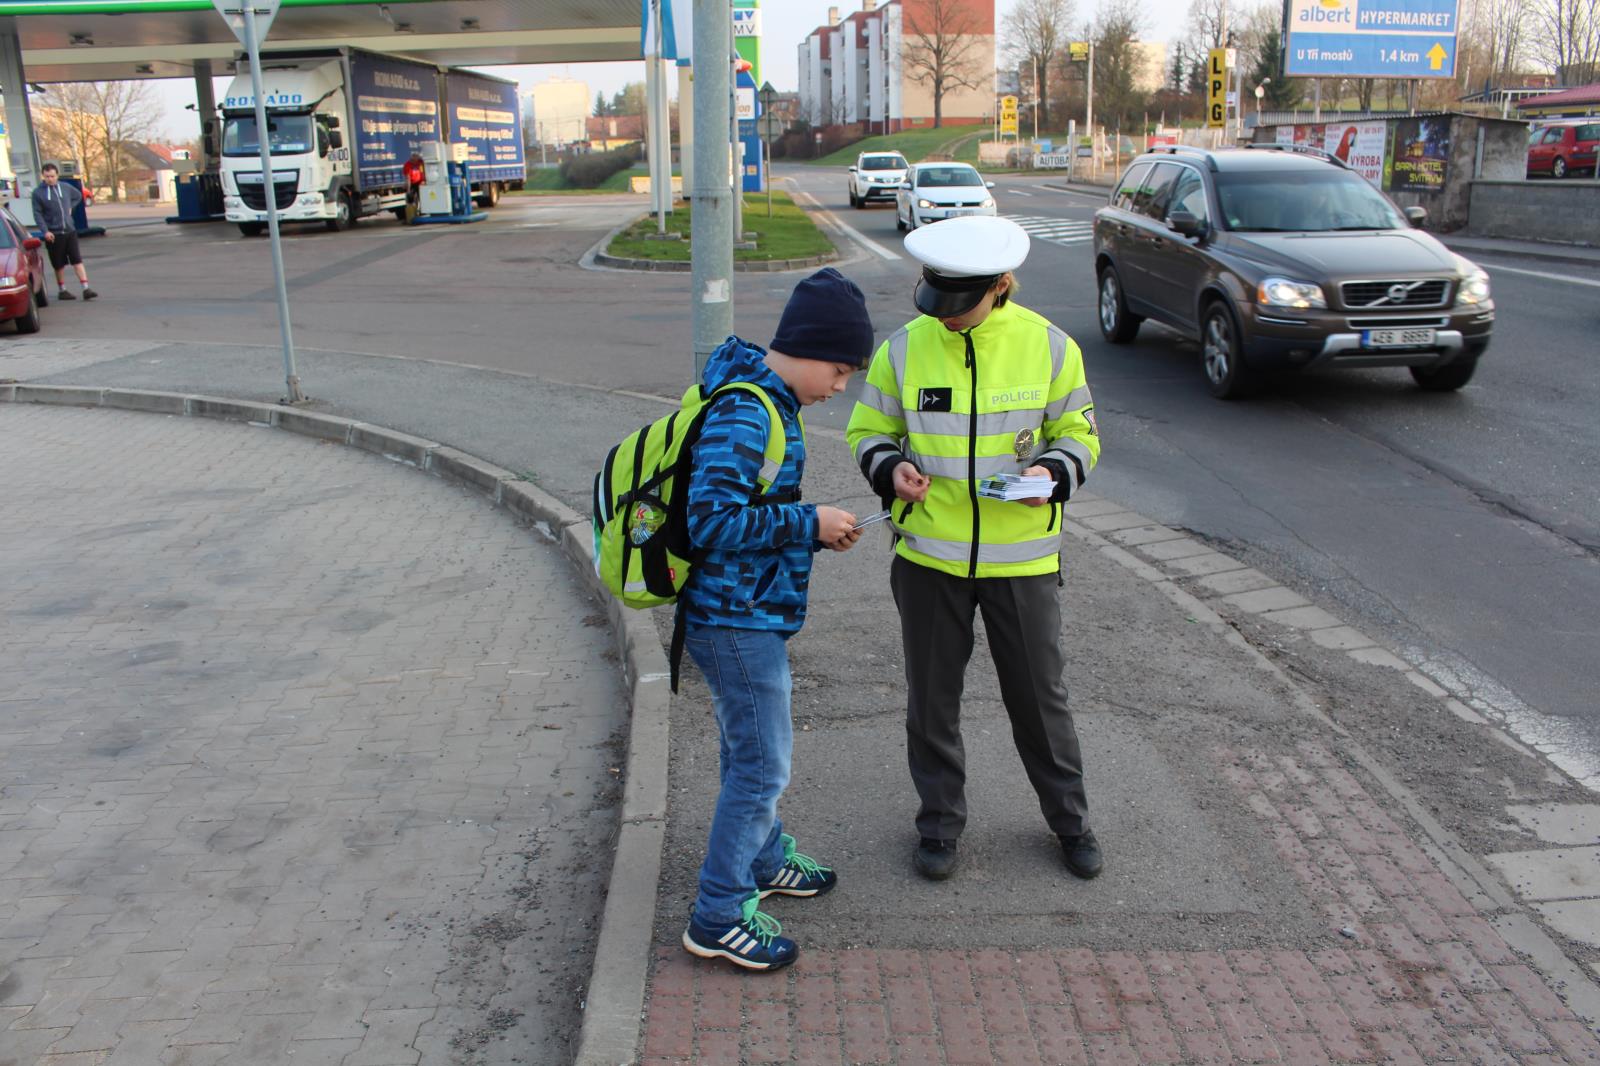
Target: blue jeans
747, 671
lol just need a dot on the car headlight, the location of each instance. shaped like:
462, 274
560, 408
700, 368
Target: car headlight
1281, 292
926, 203
7, 280
988, 201
1474, 288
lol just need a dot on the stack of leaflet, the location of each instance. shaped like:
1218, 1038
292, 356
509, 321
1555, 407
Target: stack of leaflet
1016, 487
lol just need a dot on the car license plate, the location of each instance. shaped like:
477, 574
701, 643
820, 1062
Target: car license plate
954, 211
1417, 337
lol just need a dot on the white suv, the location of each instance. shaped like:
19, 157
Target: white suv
876, 176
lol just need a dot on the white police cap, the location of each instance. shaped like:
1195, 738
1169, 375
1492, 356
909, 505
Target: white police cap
961, 258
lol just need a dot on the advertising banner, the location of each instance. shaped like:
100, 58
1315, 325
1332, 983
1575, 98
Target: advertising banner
1359, 144
1310, 136
396, 110
484, 115
1420, 157
1371, 38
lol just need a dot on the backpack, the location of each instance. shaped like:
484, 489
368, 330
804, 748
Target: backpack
642, 552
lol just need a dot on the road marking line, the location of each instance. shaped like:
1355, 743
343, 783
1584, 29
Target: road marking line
1075, 192
1018, 192
848, 230
1540, 274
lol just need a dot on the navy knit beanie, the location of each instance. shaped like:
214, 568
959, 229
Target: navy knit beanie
826, 318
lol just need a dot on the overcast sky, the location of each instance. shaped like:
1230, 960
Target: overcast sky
784, 23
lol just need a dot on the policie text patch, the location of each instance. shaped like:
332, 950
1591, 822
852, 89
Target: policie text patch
933, 399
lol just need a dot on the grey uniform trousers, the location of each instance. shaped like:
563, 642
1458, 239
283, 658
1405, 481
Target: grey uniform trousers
1022, 616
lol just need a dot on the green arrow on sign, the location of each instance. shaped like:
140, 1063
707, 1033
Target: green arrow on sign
1436, 56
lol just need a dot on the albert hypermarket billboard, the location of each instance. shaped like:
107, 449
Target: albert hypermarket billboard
1370, 39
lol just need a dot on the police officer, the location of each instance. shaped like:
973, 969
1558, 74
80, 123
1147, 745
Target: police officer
978, 386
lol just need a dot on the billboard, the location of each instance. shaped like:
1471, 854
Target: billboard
1360, 144
1370, 38
1419, 160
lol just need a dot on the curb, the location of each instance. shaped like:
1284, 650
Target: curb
1556, 253
683, 266
613, 1007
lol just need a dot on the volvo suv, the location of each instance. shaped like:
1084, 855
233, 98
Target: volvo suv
1278, 258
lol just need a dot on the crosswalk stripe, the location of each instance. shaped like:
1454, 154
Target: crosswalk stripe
1055, 230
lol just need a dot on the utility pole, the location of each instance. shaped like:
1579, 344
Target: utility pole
711, 220
1088, 118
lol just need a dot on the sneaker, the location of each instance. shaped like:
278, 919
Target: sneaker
936, 859
752, 943
65, 295
1082, 854
88, 293
800, 875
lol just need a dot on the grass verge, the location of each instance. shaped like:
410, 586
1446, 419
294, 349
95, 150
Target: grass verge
788, 234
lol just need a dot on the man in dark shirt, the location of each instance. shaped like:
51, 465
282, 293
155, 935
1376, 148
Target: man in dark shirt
53, 204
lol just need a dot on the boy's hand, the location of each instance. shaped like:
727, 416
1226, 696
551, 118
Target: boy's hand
846, 542
910, 484
834, 525
1038, 471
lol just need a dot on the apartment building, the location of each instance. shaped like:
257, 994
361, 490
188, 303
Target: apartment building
856, 69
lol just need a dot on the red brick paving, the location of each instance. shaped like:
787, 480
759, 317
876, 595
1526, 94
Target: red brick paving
1428, 979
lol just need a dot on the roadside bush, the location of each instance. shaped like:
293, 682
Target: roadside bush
588, 171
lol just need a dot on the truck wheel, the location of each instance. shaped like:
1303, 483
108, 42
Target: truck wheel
252, 229
346, 216
490, 195
28, 321
1446, 378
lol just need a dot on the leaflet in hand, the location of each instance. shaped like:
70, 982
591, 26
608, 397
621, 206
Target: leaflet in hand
871, 519
1016, 487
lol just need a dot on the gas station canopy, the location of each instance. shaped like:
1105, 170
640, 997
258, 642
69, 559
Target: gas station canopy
109, 40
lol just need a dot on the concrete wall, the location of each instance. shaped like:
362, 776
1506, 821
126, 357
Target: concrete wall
1537, 210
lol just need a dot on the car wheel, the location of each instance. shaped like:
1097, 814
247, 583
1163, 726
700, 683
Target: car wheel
1117, 325
1558, 169
252, 229
39, 297
1222, 354
28, 321
1446, 378
899, 223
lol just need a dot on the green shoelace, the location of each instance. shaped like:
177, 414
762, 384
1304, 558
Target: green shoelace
804, 863
763, 926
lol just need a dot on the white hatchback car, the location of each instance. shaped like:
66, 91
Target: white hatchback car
936, 191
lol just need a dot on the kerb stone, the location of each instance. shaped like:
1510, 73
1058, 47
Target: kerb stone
469, 470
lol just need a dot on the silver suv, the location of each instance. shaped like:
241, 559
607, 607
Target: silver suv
876, 176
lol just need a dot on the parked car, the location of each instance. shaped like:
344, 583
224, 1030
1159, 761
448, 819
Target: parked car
933, 192
1562, 148
876, 176
22, 274
1284, 259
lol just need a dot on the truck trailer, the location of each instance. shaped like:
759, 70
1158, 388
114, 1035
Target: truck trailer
341, 124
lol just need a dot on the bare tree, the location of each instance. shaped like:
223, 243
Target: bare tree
1207, 23
1034, 34
70, 128
941, 52
131, 114
1116, 62
1566, 36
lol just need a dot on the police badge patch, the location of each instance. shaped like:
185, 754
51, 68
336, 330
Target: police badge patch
1088, 416
934, 399
1022, 446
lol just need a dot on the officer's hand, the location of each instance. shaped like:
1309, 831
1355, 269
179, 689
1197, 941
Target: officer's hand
833, 525
49, 237
910, 484
1038, 471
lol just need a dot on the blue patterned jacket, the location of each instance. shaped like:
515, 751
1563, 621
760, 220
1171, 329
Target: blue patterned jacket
757, 563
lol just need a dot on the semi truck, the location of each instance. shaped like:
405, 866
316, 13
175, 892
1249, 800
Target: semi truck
341, 124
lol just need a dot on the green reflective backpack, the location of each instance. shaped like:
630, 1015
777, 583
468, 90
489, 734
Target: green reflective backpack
641, 530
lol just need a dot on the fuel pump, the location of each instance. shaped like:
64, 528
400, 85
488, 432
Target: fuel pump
436, 180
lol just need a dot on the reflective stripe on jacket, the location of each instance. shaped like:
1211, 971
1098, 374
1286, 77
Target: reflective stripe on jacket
1006, 395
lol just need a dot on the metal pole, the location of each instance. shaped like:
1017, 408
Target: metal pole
735, 144
269, 191
711, 221
652, 138
1088, 119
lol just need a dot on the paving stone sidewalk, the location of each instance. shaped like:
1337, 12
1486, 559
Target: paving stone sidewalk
305, 756
1423, 978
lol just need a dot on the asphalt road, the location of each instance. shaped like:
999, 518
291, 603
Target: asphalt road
1463, 527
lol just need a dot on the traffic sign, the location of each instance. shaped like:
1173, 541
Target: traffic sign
1371, 38
1078, 51
1008, 115
232, 12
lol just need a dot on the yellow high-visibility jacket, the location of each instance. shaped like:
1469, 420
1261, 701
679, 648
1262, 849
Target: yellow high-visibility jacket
1004, 396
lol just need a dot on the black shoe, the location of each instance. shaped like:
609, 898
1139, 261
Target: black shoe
1082, 854
936, 859
88, 293
65, 295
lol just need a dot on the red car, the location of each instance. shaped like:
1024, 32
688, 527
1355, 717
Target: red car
1564, 148
22, 274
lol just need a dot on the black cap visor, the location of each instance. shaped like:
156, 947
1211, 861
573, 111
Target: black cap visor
940, 296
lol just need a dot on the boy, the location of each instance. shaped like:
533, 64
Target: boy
747, 596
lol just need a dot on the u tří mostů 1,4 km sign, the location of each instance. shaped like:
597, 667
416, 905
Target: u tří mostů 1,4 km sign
1371, 38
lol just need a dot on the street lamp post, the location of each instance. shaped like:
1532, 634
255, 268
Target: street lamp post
1261, 90
768, 94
